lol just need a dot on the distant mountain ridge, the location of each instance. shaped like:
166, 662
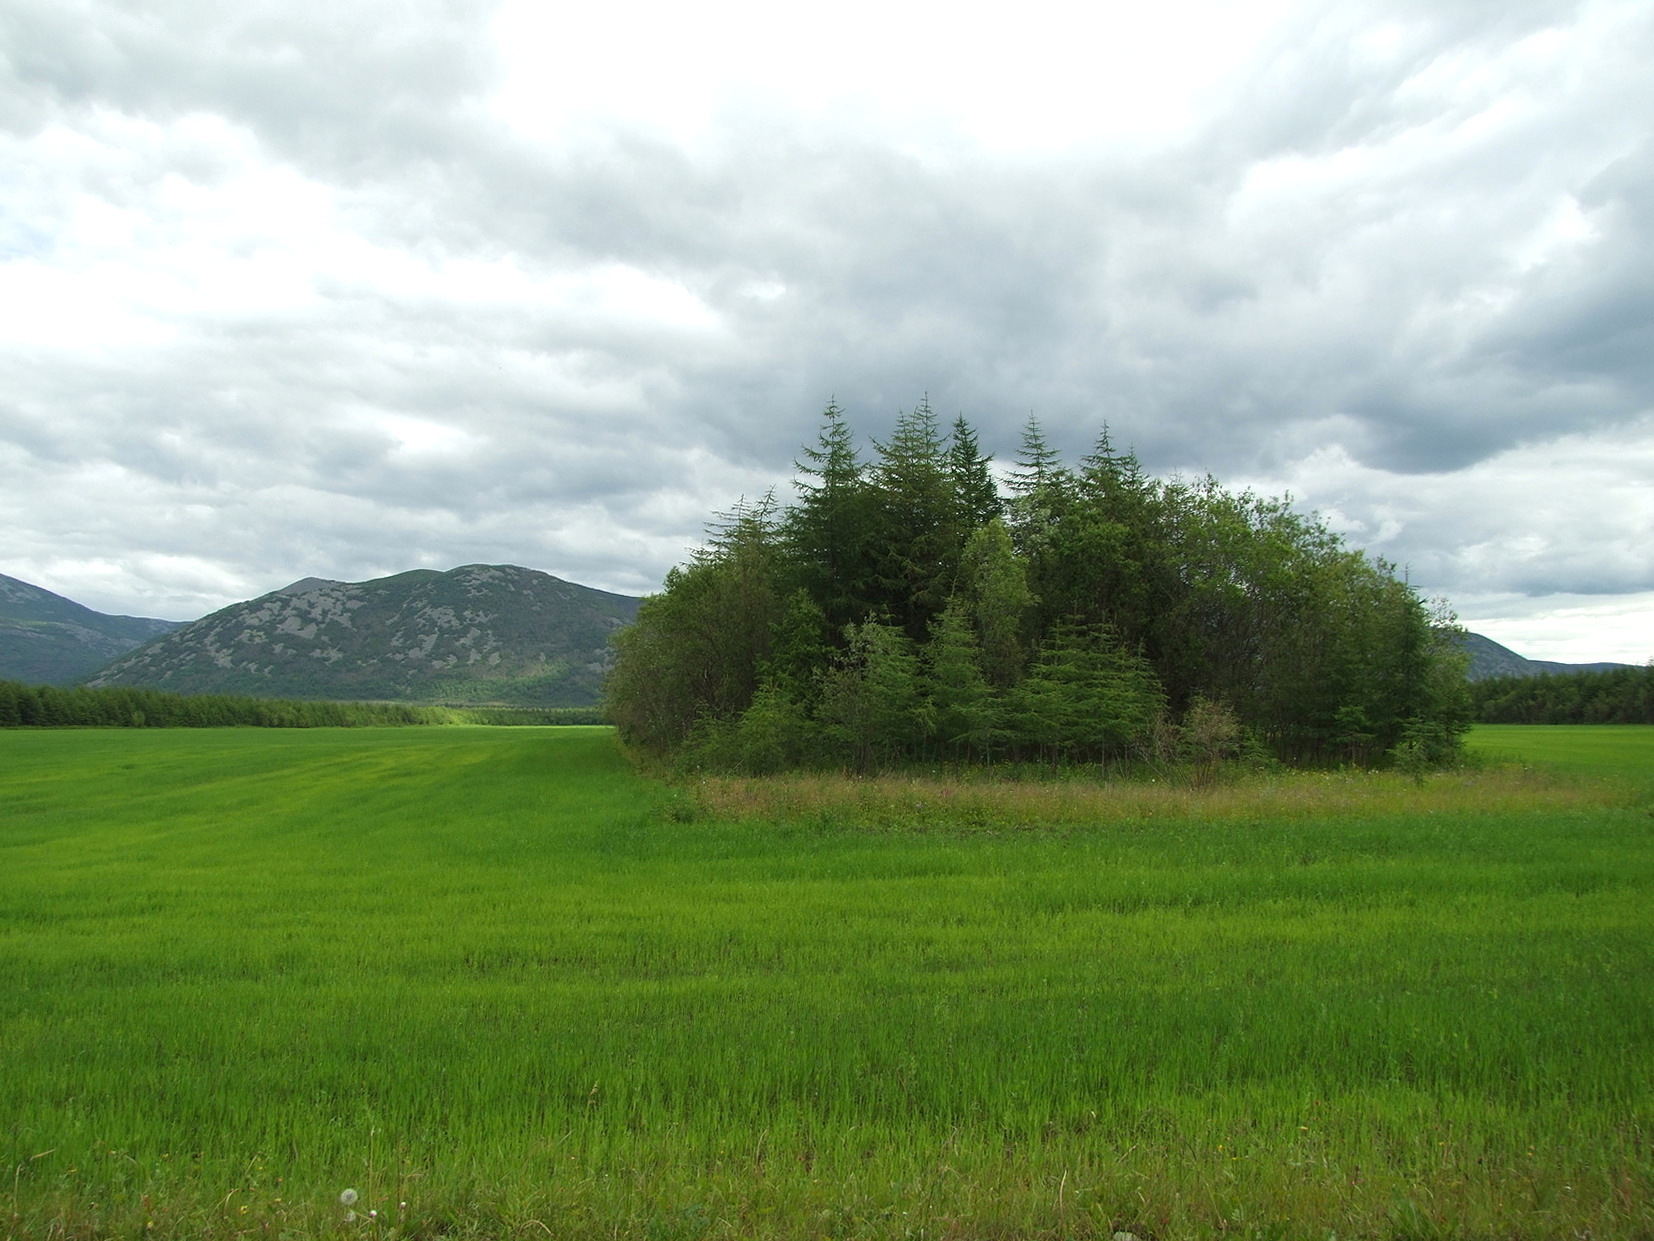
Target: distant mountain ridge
476, 634
480, 633
1488, 659
46, 639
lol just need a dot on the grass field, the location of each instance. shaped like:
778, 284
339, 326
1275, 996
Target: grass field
1597, 749
498, 985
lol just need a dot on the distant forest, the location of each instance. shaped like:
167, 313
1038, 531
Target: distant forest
906, 609
1608, 696
50, 706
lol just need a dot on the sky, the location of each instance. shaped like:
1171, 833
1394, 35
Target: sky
295, 289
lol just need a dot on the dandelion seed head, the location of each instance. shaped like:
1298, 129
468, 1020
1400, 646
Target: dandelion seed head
348, 1197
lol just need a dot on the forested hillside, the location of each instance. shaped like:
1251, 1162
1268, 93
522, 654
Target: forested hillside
1488, 659
903, 608
47, 639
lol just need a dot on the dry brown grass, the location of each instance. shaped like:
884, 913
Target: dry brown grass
973, 801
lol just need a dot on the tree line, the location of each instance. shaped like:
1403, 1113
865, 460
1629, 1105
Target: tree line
50, 706
1601, 696
907, 607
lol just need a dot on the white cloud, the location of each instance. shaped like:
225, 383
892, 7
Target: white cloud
1572, 629
1048, 76
1537, 530
292, 289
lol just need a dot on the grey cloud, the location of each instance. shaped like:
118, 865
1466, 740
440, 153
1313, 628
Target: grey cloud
351, 80
1216, 319
1333, 76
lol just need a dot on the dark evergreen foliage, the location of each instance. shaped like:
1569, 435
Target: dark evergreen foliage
1610, 696
49, 706
904, 611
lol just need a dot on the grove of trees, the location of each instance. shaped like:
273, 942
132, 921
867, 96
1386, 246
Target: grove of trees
904, 608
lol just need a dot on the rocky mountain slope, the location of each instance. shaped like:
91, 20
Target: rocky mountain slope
1489, 659
481, 633
46, 639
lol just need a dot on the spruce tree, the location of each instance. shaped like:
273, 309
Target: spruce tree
831, 533
919, 542
976, 495
961, 702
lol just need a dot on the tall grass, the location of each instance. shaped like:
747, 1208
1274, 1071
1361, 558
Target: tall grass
500, 986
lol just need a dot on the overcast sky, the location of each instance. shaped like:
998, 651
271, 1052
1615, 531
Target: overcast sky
342, 289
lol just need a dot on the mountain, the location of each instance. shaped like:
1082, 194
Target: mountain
481, 633
46, 639
1488, 659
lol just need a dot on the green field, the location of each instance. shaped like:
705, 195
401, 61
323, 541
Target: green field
500, 986
1597, 749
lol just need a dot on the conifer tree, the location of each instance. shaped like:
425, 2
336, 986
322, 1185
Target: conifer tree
961, 715
1085, 697
976, 495
919, 539
1039, 466
830, 533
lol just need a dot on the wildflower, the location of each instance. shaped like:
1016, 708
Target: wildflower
348, 1197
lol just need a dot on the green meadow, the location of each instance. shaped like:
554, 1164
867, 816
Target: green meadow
1594, 749
499, 985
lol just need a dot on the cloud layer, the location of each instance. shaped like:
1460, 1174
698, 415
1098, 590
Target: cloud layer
292, 289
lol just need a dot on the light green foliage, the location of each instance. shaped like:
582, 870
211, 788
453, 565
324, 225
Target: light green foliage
995, 585
872, 702
1085, 698
1210, 735
503, 988
773, 734
961, 702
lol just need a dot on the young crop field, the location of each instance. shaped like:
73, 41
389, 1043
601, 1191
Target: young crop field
493, 983
1597, 749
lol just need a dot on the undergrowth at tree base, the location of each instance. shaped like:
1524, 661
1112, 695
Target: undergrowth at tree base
1024, 799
